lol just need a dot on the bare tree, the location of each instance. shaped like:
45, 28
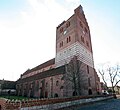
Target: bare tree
102, 73
74, 74
112, 74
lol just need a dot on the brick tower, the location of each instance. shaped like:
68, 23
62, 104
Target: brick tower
73, 39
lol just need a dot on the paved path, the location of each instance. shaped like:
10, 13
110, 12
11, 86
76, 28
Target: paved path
113, 104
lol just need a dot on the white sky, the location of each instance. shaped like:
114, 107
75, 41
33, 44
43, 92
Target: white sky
28, 35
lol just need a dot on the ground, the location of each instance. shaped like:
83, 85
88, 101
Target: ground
14, 97
112, 104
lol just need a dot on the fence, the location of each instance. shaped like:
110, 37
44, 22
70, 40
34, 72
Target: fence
53, 103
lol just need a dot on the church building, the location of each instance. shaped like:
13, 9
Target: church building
53, 78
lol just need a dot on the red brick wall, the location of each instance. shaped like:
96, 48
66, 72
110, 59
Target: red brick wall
12, 105
2, 104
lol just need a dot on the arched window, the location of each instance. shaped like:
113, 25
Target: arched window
86, 30
87, 43
82, 39
57, 83
62, 43
81, 24
46, 94
69, 38
61, 30
37, 85
67, 24
87, 69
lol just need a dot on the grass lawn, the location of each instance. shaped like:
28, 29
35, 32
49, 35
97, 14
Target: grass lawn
14, 97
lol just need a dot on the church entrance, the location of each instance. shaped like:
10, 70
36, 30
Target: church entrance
90, 92
74, 93
56, 95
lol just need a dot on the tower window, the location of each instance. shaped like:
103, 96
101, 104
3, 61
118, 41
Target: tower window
87, 43
87, 69
69, 38
61, 44
82, 39
61, 30
86, 30
81, 24
67, 24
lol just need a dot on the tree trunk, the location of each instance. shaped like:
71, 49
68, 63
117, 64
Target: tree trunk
75, 85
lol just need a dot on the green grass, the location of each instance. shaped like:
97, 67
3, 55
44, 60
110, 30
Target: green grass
14, 97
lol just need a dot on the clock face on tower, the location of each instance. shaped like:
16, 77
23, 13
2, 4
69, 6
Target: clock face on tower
65, 32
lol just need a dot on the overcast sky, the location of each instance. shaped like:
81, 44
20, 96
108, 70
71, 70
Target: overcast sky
28, 31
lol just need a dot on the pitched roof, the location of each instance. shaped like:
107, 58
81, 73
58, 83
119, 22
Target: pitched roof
43, 65
44, 74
